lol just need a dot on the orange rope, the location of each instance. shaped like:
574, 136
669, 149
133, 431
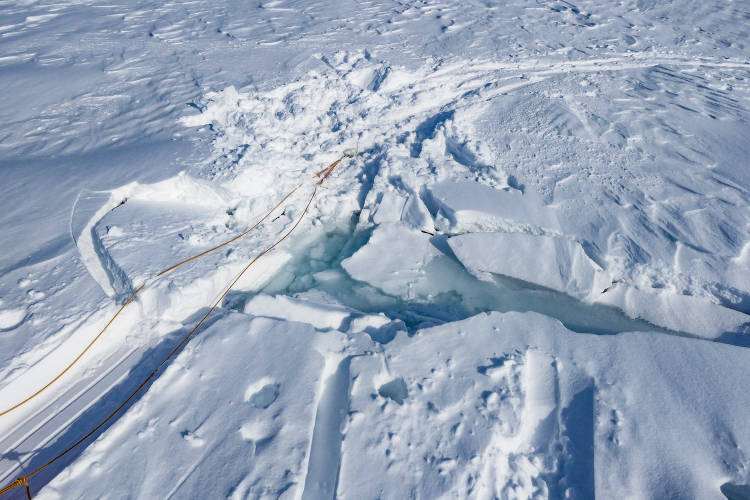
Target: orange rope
24, 480
139, 289
77, 357
233, 239
21, 481
15, 484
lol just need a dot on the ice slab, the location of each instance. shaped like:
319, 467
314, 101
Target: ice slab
696, 315
393, 259
470, 206
516, 406
561, 264
554, 262
319, 315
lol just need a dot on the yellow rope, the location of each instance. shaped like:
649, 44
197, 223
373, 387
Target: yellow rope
165, 271
15, 484
24, 479
21, 481
80, 355
139, 289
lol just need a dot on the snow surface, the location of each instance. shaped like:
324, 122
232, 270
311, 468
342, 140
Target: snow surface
533, 281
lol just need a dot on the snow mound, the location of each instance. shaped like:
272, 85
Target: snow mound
11, 318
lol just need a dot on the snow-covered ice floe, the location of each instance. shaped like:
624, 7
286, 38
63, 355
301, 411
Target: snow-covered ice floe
531, 281
496, 406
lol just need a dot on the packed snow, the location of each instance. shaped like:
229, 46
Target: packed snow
532, 280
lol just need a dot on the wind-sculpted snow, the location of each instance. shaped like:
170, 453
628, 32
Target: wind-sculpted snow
515, 406
229, 432
455, 315
497, 406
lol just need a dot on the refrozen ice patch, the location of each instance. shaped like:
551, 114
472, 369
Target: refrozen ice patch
262, 393
395, 390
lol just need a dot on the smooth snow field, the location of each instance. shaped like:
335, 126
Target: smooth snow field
528, 277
